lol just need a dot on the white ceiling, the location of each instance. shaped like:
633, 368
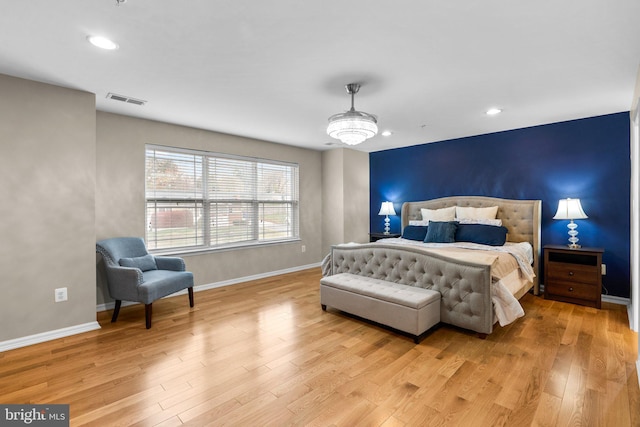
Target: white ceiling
276, 70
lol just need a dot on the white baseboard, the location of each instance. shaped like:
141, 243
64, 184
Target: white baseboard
630, 316
198, 288
47, 336
616, 300
110, 305
254, 277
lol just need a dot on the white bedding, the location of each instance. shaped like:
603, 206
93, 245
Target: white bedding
506, 279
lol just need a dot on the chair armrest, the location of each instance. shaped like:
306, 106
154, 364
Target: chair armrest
130, 275
170, 263
124, 282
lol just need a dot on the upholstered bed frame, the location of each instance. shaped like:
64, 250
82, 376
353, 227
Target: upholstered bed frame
465, 287
520, 217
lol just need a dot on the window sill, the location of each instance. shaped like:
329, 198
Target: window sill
201, 251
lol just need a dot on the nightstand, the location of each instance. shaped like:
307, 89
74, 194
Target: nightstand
374, 237
573, 275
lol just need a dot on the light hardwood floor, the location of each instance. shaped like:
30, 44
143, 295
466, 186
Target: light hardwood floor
264, 353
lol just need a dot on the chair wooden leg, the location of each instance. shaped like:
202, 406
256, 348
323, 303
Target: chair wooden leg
147, 315
116, 311
190, 296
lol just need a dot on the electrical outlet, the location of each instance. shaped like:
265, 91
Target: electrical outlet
60, 294
303, 248
604, 269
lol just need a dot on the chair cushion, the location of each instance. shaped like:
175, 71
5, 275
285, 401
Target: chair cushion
160, 283
144, 263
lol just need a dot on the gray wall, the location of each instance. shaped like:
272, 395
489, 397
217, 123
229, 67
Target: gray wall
120, 194
345, 196
70, 176
332, 198
356, 196
47, 213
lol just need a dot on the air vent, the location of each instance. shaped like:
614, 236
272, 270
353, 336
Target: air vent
126, 99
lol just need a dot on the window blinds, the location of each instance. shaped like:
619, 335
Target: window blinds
199, 200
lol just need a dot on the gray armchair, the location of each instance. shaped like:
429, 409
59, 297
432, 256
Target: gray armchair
135, 275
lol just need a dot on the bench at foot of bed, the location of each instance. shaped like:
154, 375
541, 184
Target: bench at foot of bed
409, 309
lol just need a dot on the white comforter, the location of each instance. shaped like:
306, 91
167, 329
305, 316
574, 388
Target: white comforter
504, 281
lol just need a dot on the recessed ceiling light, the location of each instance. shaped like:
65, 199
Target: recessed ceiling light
102, 42
493, 111
386, 133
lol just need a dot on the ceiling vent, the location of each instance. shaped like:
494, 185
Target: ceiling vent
126, 99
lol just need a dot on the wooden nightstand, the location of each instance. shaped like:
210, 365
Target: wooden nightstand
374, 237
573, 275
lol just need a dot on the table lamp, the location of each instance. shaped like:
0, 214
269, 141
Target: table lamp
571, 209
386, 209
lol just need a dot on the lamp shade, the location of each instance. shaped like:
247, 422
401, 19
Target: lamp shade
570, 209
387, 209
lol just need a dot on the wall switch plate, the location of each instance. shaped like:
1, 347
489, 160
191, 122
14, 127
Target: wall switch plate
604, 269
304, 248
60, 294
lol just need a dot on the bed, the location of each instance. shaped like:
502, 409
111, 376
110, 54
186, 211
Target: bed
478, 306
522, 219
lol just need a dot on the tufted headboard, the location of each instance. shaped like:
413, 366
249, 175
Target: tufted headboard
520, 217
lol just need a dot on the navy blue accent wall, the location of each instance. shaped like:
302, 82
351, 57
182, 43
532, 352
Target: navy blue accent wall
586, 159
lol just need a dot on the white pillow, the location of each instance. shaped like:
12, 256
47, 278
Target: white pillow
418, 222
476, 213
444, 214
496, 222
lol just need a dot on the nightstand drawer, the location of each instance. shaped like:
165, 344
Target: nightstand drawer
573, 273
579, 291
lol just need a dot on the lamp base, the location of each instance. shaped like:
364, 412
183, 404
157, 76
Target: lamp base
573, 235
386, 225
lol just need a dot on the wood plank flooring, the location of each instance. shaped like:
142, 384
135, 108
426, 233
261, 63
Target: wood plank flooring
263, 353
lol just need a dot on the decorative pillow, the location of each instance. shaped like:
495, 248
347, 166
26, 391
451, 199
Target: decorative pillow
418, 222
444, 214
494, 222
441, 232
415, 232
476, 213
481, 233
144, 263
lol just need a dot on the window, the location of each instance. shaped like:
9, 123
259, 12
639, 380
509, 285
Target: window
200, 200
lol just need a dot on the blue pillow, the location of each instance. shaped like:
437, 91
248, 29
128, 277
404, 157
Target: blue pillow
144, 263
441, 232
415, 232
481, 233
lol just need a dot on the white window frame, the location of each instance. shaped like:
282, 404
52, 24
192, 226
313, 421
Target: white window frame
221, 219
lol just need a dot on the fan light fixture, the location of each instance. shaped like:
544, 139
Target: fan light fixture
352, 127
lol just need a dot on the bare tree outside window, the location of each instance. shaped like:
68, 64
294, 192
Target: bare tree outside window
200, 201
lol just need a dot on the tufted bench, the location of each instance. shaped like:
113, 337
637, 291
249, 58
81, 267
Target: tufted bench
464, 287
407, 308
